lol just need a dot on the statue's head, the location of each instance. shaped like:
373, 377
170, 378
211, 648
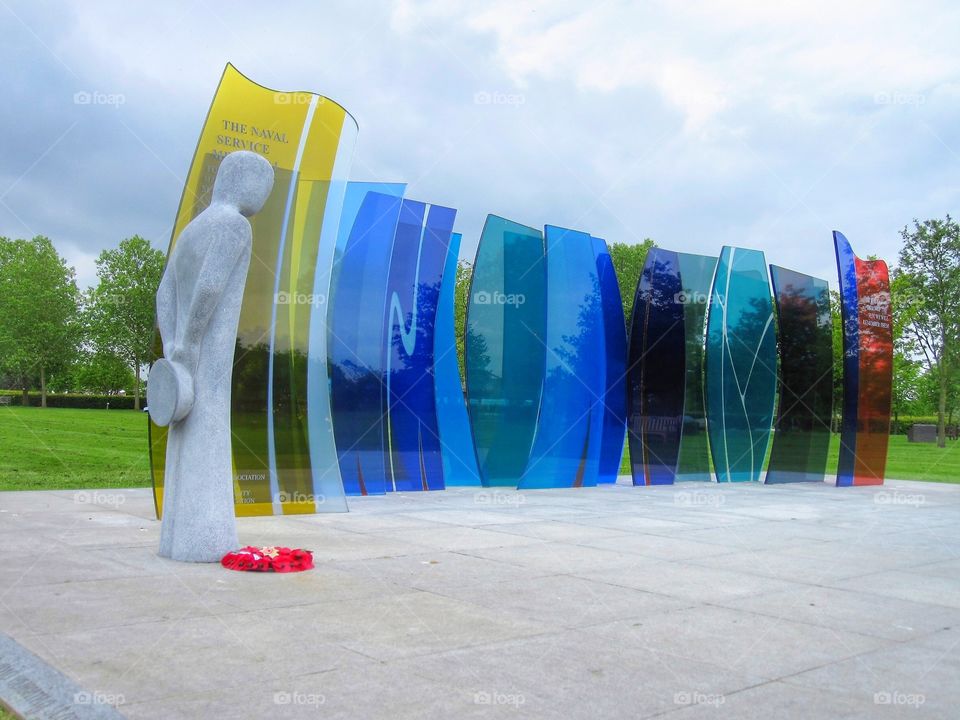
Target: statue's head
244, 180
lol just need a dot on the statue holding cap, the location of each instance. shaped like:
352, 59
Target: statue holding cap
188, 390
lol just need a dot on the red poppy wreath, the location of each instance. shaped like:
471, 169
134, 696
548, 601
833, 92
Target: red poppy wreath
268, 559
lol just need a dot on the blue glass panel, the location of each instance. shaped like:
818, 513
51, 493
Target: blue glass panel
801, 435
655, 380
696, 275
566, 447
456, 441
614, 410
356, 343
506, 318
413, 439
741, 365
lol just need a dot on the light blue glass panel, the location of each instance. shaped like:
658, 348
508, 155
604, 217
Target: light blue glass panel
741, 365
456, 441
566, 448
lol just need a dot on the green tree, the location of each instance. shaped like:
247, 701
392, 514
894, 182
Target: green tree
461, 297
628, 263
39, 304
122, 308
927, 302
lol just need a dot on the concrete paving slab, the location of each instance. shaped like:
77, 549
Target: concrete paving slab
690, 601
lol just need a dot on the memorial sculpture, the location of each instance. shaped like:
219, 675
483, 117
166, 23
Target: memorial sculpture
347, 380
198, 309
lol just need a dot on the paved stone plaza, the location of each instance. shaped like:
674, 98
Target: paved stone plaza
693, 601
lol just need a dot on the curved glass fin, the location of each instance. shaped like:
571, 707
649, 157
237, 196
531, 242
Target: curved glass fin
566, 446
614, 409
696, 275
504, 348
867, 366
741, 365
413, 289
655, 379
456, 440
801, 434
309, 140
356, 346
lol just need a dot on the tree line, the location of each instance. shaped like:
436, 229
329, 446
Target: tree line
54, 337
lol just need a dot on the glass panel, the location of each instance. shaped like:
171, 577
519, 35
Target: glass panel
741, 365
506, 318
309, 140
614, 423
656, 371
356, 347
566, 447
456, 442
867, 366
801, 435
413, 437
696, 276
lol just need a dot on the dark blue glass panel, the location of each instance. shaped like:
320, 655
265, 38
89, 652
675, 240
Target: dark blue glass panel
566, 447
801, 435
456, 441
741, 365
356, 346
413, 288
696, 275
614, 411
655, 379
506, 318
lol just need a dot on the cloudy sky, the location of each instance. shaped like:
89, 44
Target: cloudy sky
698, 124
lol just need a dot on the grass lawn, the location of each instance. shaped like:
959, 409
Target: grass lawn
50, 448
45, 449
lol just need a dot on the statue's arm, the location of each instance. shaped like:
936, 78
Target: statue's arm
167, 309
219, 262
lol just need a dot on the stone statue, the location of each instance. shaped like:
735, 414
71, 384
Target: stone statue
198, 309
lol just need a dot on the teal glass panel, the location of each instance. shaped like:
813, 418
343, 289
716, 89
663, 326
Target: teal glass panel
741, 365
801, 434
566, 447
696, 275
504, 348
456, 442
